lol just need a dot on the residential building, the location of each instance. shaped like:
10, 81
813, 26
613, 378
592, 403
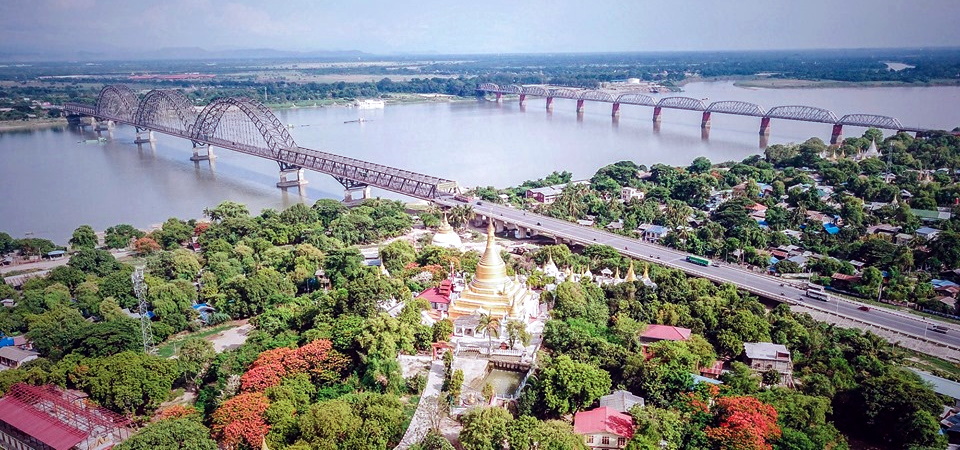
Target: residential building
655, 333
621, 401
628, 194
652, 233
13, 357
439, 297
604, 428
765, 356
927, 232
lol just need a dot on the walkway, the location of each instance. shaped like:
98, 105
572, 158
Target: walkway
426, 412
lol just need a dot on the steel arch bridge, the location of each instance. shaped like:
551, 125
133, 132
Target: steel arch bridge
787, 112
247, 126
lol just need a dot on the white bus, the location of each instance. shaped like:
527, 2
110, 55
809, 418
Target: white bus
818, 293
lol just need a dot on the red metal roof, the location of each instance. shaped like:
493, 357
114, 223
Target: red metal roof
435, 295
39, 425
665, 333
603, 420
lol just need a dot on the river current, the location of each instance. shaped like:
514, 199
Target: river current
51, 180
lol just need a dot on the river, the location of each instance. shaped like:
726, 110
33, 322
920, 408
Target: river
50, 182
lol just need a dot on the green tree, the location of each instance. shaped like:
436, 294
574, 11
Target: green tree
491, 327
193, 358
484, 428
171, 434
226, 210
97, 262
397, 254
569, 386
517, 332
84, 237
52, 332
130, 382
120, 236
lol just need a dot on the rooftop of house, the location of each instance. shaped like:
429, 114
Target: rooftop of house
621, 401
666, 333
766, 350
603, 420
17, 354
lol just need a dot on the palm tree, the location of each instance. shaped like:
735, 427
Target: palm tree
461, 214
491, 327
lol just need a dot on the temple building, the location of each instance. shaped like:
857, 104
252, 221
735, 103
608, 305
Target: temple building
446, 237
492, 292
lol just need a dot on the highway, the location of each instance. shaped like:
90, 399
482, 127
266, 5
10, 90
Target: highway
756, 283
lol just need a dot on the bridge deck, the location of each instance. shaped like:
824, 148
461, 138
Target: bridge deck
361, 172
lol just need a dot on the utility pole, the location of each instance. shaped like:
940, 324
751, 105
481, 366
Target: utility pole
146, 331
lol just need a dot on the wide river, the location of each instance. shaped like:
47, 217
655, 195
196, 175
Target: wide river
50, 182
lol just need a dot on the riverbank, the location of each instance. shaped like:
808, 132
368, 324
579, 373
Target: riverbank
389, 99
32, 124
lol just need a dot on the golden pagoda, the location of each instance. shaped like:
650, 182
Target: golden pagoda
492, 291
631, 276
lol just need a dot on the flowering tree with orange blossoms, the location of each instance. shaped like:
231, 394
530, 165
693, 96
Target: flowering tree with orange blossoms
175, 412
745, 423
240, 420
317, 358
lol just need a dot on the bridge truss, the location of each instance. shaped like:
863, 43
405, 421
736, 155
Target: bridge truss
247, 126
788, 112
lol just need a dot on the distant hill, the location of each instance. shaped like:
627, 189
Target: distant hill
175, 53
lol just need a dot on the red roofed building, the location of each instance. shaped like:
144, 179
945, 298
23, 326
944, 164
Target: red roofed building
655, 333
604, 428
439, 297
46, 417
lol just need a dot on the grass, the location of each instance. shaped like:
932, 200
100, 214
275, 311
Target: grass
932, 364
168, 348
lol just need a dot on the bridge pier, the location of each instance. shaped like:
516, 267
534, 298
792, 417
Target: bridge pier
549, 103
765, 126
205, 153
657, 111
146, 137
499, 97
356, 193
615, 111
705, 134
298, 181
764, 140
836, 138
103, 126
705, 121
580, 105
523, 99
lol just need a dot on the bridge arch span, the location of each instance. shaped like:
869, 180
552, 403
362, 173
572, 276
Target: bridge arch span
636, 98
801, 112
117, 100
166, 109
597, 96
682, 103
871, 120
564, 93
243, 122
488, 87
511, 89
539, 91
737, 107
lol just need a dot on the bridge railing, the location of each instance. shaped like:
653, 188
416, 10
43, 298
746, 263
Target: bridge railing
80, 108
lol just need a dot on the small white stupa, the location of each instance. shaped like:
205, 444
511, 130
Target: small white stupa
446, 237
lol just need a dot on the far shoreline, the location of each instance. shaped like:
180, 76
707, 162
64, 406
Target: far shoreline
796, 83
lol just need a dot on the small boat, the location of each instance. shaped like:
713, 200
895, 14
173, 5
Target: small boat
360, 120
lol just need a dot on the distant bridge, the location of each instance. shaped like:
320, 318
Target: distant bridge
246, 126
739, 108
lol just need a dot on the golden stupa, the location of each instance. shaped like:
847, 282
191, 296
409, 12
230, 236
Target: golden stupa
491, 291
445, 236
631, 276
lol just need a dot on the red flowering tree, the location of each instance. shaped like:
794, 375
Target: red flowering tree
317, 358
200, 228
175, 412
240, 420
145, 246
744, 423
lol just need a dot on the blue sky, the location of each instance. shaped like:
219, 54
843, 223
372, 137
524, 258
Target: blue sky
495, 26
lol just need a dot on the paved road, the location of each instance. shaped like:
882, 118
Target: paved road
759, 284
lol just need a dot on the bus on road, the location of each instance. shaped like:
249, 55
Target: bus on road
700, 261
818, 293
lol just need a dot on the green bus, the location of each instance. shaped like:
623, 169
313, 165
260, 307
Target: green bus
698, 260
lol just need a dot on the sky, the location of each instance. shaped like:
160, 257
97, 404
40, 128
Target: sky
464, 27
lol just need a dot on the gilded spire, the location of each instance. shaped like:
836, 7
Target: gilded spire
444, 225
646, 272
491, 270
616, 276
630, 275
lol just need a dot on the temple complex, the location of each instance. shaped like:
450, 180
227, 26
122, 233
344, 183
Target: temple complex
492, 292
